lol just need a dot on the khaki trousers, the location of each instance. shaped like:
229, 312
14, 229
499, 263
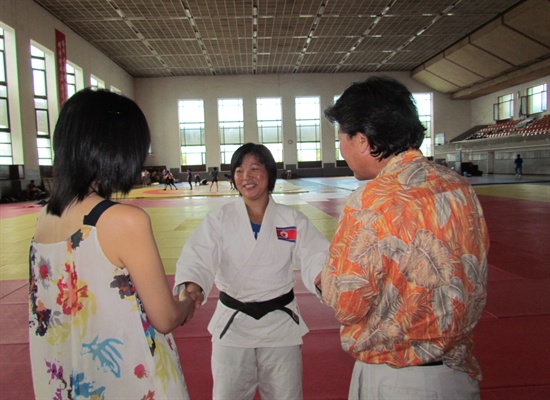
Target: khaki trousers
382, 382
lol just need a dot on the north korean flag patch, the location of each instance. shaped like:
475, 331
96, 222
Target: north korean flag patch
288, 233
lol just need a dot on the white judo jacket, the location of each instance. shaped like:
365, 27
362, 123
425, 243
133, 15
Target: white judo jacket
223, 250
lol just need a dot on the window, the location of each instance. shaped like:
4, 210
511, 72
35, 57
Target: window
71, 80
115, 90
337, 140
41, 110
424, 106
192, 137
536, 100
504, 109
231, 126
270, 121
308, 123
6, 151
11, 131
75, 78
96, 83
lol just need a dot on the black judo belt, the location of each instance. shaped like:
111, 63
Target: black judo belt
257, 309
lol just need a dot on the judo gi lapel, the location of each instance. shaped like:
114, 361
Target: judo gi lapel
255, 246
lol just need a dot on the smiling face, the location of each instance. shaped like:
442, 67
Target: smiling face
252, 179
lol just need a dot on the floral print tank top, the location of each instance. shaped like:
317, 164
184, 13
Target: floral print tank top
89, 335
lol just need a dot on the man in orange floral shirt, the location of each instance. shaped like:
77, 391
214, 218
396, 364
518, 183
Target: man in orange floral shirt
407, 268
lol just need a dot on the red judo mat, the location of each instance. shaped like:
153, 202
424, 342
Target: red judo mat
510, 339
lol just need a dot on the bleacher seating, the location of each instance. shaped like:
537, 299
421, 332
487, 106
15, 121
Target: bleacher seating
518, 127
538, 127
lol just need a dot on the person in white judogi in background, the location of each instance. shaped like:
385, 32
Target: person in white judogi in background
249, 249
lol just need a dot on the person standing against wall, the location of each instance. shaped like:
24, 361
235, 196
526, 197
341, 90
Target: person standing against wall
214, 175
518, 162
190, 178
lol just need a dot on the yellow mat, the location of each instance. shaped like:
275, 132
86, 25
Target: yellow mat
224, 189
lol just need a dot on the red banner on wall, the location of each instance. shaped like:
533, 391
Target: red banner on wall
61, 66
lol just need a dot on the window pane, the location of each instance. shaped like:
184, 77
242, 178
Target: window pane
424, 105
227, 152
307, 108
40, 103
537, 99
36, 52
71, 89
42, 126
308, 133
6, 161
2, 63
43, 142
5, 150
39, 82
38, 64
230, 110
44, 161
270, 134
192, 159
4, 120
309, 151
277, 150
231, 135
230, 123
191, 111
192, 137
5, 137
44, 152
192, 132
308, 122
269, 109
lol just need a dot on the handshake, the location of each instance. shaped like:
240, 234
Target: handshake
191, 298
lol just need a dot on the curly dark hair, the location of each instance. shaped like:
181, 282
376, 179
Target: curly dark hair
383, 109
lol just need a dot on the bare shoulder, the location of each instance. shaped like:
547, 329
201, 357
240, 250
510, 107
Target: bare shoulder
121, 217
120, 228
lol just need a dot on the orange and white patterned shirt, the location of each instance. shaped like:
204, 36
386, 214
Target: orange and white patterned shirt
407, 267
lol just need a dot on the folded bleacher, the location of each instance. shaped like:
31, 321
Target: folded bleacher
523, 127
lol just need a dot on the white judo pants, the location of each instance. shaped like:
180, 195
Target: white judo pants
382, 382
275, 371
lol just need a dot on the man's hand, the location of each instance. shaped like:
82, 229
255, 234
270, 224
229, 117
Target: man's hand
317, 282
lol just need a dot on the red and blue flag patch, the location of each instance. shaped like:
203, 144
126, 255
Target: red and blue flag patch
288, 233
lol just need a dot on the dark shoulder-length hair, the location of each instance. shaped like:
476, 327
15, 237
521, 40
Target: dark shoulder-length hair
384, 110
100, 143
263, 155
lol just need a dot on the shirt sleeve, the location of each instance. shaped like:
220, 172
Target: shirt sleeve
311, 251
201, 255
351, 278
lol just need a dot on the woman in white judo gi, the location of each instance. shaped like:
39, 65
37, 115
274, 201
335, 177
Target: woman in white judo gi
250, 249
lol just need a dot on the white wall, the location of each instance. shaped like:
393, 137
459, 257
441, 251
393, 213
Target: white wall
33, 23
482, 107
158, 98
